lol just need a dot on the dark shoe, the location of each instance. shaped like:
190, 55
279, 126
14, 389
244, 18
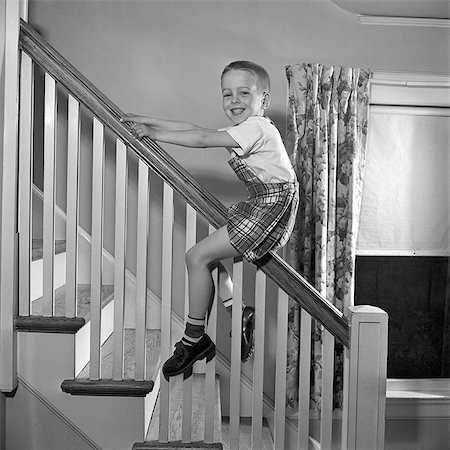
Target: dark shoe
248, 336
185, 356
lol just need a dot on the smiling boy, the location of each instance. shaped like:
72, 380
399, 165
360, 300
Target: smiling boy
260, 224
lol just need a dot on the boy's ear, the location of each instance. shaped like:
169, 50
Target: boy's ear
266, 100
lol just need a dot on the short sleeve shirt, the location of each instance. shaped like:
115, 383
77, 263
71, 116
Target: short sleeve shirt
262, 148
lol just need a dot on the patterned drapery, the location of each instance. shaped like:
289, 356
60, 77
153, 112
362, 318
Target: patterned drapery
327, 130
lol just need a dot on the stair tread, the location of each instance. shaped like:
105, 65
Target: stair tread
83, 301
152, 344
245, 434
198, 411
37, 248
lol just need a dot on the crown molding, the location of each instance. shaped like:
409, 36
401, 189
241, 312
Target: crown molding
403, 21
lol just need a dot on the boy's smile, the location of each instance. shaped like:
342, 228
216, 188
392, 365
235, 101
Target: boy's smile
242, 97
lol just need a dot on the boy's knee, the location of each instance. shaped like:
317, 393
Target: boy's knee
195, 258
192, 258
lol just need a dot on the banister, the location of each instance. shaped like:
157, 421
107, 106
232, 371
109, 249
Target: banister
178, 178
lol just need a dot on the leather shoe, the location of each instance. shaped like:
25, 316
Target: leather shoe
248, 329
185, 356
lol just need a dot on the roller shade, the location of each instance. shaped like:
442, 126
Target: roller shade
405, 205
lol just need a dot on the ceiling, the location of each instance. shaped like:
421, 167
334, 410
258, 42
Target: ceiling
434, 9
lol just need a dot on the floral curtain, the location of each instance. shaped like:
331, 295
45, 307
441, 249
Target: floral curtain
327, 130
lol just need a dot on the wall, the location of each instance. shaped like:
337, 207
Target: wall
164, 58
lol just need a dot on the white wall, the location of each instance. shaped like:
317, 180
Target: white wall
164, 58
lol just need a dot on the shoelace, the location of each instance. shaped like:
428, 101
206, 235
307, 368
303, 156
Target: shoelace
179, 349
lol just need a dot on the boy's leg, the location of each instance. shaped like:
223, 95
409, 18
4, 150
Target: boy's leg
195, 345
199, 261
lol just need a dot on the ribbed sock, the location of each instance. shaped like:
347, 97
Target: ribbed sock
195, 329
228, 305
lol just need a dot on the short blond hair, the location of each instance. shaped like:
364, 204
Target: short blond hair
262, 77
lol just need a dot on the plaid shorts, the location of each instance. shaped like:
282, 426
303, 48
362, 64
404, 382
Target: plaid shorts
264, 221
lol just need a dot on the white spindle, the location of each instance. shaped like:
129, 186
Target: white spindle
304, 387
73, 164
210, 377
49, 195
280, 369
25, 177
326, 411
166, 306
141, 268
191, 233
235, 377
258, 363
98, 161
119, 257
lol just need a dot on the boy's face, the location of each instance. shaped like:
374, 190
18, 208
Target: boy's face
241, 96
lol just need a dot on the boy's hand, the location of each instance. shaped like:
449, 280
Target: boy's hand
138, 128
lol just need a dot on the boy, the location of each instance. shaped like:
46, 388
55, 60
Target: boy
261, 223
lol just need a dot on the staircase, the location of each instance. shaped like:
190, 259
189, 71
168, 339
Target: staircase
81, 318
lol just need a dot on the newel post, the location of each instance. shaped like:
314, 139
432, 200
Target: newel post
365, 379
8, 226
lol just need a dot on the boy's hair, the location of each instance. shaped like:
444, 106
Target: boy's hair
262, 77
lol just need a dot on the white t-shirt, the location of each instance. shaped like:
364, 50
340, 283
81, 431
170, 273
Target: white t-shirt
261, 146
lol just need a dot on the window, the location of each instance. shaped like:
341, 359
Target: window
403, 247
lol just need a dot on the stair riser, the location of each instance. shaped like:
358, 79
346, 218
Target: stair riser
82, 346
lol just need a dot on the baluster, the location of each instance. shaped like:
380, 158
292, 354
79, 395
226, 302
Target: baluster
280, 369
235, 380
73, 164
141, 269
210, 377
119, 257
258, 363
191, 233
98, 161
49, 195
304, 373
326, 411
25, 181
166, 307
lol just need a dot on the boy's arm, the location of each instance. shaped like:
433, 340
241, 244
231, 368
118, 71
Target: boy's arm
196, 138
161, 124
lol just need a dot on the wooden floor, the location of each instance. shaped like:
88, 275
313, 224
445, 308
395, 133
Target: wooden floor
83, 304
37, 246
245, 434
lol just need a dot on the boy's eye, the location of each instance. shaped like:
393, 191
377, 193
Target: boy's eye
226, 95
244, 93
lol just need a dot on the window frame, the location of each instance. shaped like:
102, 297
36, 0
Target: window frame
421, 94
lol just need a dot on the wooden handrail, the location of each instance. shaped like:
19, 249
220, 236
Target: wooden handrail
178, 178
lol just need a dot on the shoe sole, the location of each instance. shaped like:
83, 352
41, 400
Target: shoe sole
208, 353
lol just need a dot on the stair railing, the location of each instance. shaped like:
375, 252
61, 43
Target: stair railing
362, 330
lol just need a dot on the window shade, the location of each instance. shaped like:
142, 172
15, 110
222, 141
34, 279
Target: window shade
405, 204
